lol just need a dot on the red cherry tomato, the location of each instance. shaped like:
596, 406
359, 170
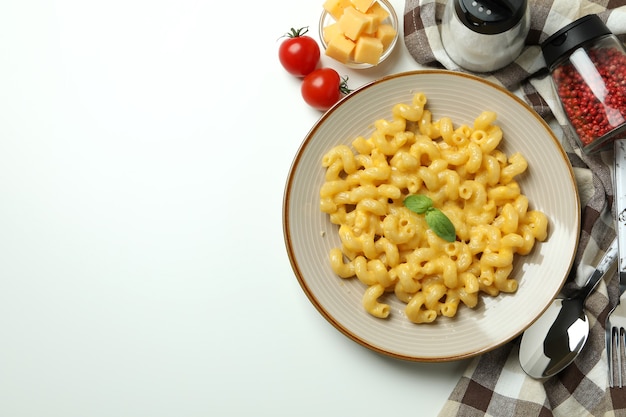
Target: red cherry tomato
299, 54
323, 87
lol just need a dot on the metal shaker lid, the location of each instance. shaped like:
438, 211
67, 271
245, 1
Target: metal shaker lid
490, 17
572, 37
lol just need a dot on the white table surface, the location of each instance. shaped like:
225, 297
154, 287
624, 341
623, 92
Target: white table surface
144, 148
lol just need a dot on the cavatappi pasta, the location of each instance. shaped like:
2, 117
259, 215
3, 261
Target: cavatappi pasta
391, 249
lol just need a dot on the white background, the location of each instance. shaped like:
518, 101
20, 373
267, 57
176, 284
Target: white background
144, 148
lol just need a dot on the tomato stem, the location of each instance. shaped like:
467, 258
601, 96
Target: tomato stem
296, 33
343, 87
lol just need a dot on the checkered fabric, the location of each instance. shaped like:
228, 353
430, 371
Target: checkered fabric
494, 384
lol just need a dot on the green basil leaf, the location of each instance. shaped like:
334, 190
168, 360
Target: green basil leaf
418, 203
440, 224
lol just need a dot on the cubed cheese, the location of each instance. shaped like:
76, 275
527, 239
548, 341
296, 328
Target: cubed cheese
372, 24
355, 19
340, 48
352, 22
335, 7
368, 50
361, 5
379, 11
331, 31
386, 33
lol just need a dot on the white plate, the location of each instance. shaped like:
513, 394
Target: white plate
549, 184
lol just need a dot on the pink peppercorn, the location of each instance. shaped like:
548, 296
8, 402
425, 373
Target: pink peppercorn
588, 67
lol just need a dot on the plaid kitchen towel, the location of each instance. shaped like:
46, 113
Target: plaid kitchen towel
494, 384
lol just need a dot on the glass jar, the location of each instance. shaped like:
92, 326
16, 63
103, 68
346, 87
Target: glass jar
587, 64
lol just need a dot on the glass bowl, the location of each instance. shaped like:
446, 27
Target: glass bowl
327, 19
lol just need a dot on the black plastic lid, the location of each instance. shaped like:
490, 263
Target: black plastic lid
490, 17
572, 37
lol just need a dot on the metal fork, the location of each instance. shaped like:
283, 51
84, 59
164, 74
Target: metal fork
615, 325
616, 342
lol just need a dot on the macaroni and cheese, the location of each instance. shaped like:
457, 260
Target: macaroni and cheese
391, 249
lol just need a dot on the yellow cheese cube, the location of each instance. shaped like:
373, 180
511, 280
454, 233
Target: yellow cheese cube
353, 23
335, 7
372, 24
368, 50
361, 5
378, 10
386, 33
331, 31
340, 48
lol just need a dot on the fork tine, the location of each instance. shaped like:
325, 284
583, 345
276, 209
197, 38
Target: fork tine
621, 334
614, 355
612, 346
618, 353
609, 359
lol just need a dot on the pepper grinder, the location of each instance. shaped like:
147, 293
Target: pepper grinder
587, 64
484, 35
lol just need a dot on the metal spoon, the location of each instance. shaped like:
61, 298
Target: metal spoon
552, 343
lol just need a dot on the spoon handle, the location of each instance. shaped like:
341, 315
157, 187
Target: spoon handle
609, 258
